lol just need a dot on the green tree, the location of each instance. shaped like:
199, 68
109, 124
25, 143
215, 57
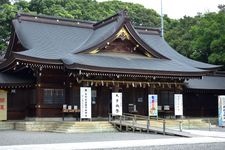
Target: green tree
208, 38
4, 2
22, 5
179, 36
200, 37
7, 12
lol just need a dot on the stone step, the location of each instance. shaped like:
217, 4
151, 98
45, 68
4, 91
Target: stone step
4, 125
83, 127
34, 125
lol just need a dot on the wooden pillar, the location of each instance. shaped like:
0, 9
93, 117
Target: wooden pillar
39, 97
38, 101
67, 91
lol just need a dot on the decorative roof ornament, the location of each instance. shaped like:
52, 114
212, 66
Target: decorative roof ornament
123, 34
123, 13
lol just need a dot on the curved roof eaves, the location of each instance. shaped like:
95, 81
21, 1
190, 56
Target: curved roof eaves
125, 62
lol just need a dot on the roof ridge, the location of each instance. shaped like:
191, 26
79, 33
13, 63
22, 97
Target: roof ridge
54, 17
107, 20
54, 20
148, 28
67, 21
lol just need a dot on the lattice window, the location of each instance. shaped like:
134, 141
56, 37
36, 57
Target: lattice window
54, 96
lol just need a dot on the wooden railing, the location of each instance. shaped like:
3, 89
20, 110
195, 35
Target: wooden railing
135, 120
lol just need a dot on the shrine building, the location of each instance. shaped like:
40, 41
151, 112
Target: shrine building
49, 59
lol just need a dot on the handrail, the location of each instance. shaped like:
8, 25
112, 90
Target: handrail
147, 121
137, 115
135, 118
142, 116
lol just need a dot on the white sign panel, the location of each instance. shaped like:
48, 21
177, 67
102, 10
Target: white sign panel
85, 102
117, 104
153, 105
178, 104
3, 105
221, 110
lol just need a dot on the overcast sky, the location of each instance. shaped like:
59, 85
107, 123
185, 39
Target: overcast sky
178, 8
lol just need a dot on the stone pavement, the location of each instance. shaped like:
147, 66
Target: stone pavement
115, 144
218, 134
119, 141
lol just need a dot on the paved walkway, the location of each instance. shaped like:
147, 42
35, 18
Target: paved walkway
110, 140
116, 144
218, 134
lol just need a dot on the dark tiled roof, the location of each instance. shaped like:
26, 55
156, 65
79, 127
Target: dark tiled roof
120, 61
63, 41
49, 41
52, 41
207, 82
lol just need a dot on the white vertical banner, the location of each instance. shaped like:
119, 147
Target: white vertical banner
221, 110
85, 102
153, 105
117, 104
178, 104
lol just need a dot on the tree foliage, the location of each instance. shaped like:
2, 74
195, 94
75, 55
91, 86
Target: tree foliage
7, 12
201, 37
178, 35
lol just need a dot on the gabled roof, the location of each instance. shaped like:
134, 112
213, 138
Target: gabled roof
69, 43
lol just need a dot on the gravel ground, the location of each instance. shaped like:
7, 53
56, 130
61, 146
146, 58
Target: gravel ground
14, 137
